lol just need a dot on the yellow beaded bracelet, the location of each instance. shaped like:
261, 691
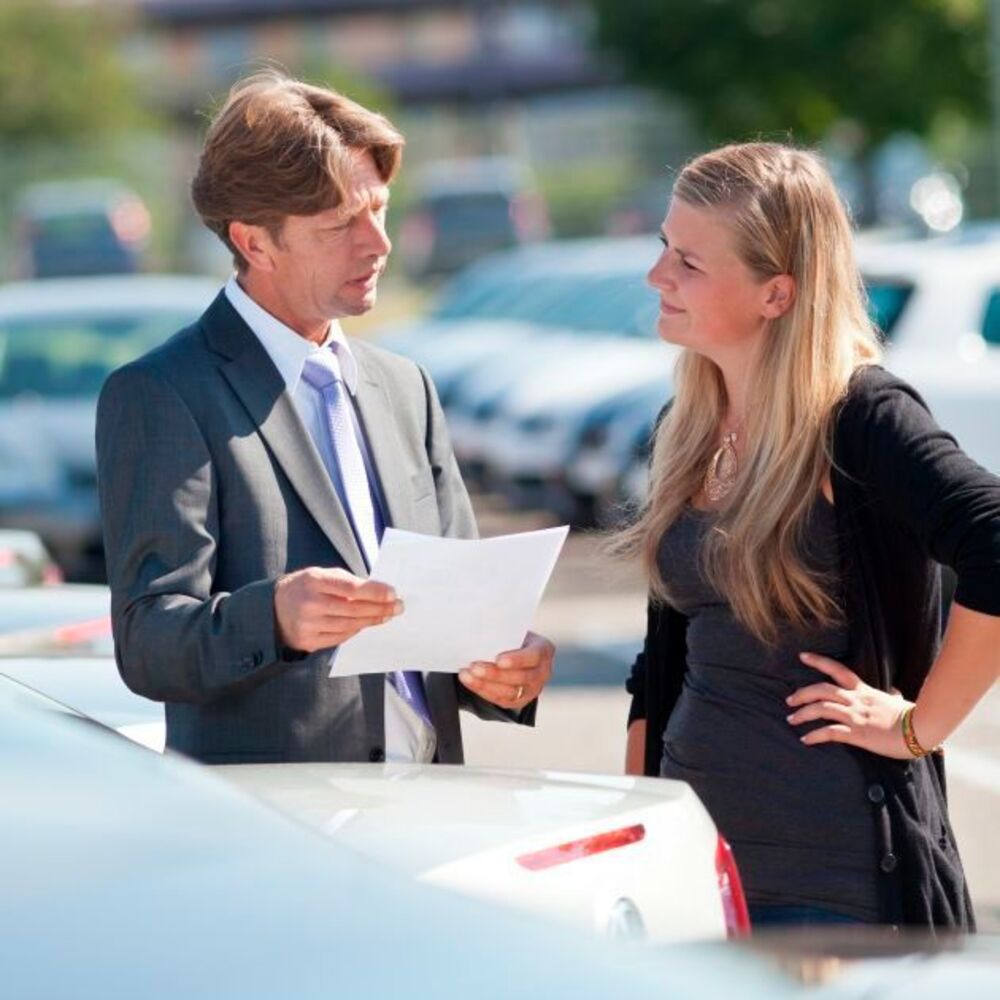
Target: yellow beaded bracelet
909, 736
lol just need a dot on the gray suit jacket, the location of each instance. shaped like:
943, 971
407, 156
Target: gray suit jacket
211, 489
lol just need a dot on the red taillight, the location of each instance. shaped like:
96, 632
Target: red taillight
585, 848
81, 632
52, 574
734, 903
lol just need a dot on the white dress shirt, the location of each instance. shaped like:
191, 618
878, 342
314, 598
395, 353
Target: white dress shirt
407, 736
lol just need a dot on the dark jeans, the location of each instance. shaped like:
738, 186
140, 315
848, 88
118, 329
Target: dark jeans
763, 915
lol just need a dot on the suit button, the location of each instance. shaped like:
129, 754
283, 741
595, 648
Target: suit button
246, 663
376, 755
876, 794
258, 658
888, 863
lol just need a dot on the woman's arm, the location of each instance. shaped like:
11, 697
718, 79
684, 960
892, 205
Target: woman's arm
635, 748
965, 670
916, 474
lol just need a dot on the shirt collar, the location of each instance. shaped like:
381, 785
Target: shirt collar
285, 347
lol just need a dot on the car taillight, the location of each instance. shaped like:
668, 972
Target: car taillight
586, 847
83, 632
734, 903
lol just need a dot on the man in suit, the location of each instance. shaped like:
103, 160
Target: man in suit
248, 466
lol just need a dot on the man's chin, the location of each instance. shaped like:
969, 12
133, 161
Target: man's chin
360, 305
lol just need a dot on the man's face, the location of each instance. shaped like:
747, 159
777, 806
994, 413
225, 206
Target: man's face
328, 265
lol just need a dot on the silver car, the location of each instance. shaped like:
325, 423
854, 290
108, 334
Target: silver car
59, 340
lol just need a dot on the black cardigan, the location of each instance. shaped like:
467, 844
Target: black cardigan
907, 499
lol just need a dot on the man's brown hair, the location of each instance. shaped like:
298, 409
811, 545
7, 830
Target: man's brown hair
281, 147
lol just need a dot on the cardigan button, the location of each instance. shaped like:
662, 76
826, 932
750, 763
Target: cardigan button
888, 863
876, 794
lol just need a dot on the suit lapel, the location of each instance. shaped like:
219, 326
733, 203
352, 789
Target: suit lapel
377, 419
260, 388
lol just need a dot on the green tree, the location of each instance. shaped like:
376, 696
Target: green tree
61, 76
778, 67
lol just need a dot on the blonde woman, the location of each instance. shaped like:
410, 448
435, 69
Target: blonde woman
801, 501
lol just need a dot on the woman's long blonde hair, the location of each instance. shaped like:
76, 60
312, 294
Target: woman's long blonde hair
786, 218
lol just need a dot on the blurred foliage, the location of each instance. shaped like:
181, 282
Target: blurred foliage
771, 68
579, 197
61, 76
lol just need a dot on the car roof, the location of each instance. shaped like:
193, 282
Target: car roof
106, 294
49, 198
920, 258
471, 175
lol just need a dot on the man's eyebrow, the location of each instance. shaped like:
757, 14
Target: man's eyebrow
349, 209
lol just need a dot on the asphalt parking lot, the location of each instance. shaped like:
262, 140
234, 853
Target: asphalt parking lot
595, 613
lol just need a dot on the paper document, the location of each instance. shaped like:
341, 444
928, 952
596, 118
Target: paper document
464, 600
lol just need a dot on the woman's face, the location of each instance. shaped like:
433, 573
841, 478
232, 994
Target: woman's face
710, 301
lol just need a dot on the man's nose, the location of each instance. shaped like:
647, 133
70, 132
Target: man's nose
375, 238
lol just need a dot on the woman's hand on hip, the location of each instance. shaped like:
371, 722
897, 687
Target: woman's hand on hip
858, 714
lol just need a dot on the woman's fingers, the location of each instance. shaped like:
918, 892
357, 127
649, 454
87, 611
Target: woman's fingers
832, 710
842, 675
828, 734
818, 692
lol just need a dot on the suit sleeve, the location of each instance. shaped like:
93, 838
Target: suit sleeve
175, 638
459, 521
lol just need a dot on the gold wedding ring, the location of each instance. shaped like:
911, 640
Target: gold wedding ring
519, 693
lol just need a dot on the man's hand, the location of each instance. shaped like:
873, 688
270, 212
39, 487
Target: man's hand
516, 678
318, 608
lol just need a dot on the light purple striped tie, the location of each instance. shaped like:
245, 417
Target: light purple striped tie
357, 496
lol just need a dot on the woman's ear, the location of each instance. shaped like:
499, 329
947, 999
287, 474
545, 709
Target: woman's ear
779, 296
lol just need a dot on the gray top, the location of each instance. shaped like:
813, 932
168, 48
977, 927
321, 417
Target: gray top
797, 817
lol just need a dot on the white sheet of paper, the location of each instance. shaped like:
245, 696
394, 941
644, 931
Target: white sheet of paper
464, 600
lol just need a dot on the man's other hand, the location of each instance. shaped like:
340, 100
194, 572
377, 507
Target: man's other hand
516, 678
317, 608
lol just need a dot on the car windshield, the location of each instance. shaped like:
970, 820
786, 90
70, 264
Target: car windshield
587, 303
70, 356
480, 212
886, 301
75, 226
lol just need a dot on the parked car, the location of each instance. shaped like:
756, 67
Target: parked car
615, 855
936, 301
939, 300
566, 323
24, 560
131, 874
466, 208
54, 619
78, 227
606, 465
59, 340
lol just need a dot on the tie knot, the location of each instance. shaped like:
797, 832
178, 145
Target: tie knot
321, 374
